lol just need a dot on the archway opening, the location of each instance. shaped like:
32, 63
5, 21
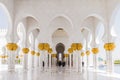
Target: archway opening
5, 25
60, 41
60, 48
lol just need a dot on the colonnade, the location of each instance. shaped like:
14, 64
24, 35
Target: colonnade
75, 62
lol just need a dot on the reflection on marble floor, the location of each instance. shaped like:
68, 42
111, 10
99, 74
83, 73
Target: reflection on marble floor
56, 74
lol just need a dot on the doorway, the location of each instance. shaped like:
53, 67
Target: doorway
60, 48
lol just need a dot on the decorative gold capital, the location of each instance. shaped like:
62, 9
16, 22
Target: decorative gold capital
54, 55
37, 54
43, 46
66, 55
70, 50
109, 46
79, 46
88, 53
12, 46
95, 50
82, 54
50, 50
17, 57
76, 46
33, 52
25, 50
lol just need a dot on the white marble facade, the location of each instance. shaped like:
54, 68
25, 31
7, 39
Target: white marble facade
30, 22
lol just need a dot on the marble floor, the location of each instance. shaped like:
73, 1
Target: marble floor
56, 74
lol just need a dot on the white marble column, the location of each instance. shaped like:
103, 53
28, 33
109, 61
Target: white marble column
76, 53
49, 61
67, 62
80, 62
87, 63
95, 61
70, 61
46, 60
41, 59
11, 60
74, 60
37, 60
32, 49
25, 61
32, 61
110, 63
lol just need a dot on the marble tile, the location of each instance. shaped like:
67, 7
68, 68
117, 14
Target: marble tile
56, 74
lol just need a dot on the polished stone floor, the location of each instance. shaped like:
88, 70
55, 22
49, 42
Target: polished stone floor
56, 74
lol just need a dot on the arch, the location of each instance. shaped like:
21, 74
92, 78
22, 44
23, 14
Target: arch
59, 36
60, 48
25, 16
9, 17
64, 16
34, 28
21, 26
85, 28
114, 21
94, 15
33, 34
21, 32
61, 30
96, 18
89, 36
60, 33
100, 30
31, 21
113, 14
25, 19
92, 23
60, 22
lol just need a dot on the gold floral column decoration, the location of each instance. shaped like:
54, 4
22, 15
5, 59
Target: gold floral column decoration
87, 52
79, 46
25, 50
43, 46
76, 46
66, 55
12, 46
50, 50
17, 57
70, 50
37, 54
46, 46
109, 46
95, 50
82, 54
54, 55
32, 52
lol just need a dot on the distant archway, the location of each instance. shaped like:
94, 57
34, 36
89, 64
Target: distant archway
5, 29
60, 48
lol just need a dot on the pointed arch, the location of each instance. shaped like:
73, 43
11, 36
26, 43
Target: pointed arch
60, 22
